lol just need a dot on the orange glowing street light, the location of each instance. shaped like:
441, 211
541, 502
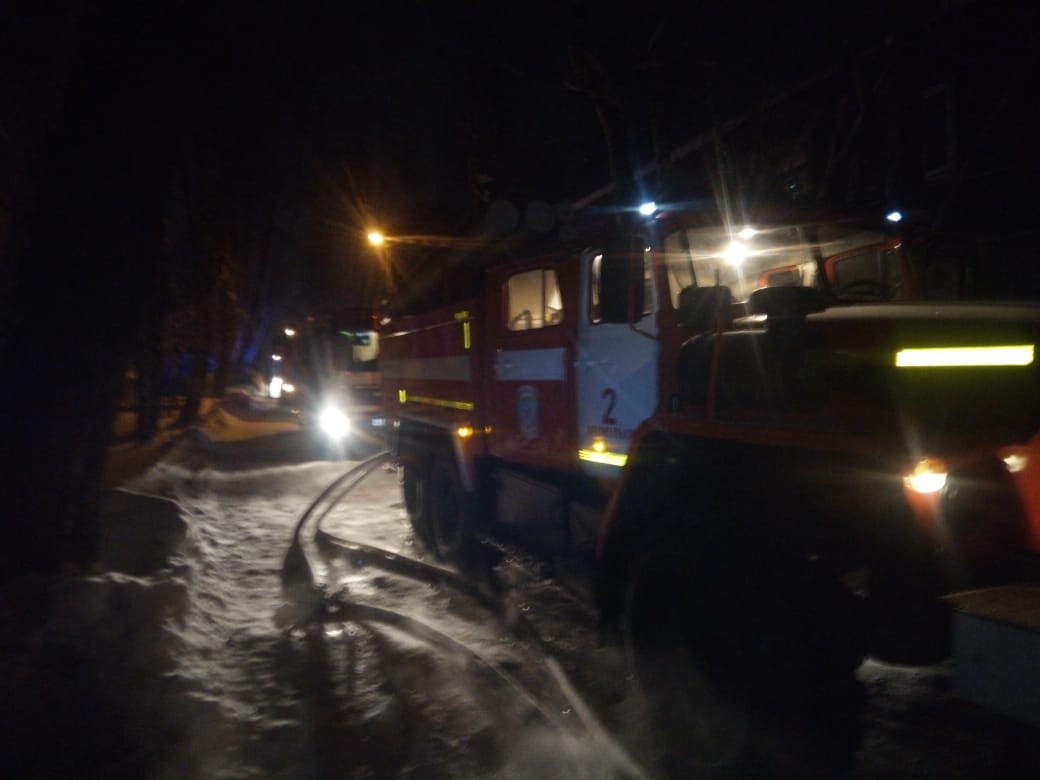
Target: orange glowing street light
378, 240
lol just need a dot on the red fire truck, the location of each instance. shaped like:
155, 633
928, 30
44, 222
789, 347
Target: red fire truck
778, 456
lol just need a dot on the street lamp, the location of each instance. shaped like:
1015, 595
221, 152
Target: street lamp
378, 240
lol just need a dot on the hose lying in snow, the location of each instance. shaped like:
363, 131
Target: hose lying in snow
308, 603
299, 588
361, 554
341, 609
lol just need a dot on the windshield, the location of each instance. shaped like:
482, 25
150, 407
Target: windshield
355, 350
861, 265
868, 274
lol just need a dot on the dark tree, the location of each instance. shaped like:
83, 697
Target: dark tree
85, 237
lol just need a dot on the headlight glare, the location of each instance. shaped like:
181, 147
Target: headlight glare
333, 422
927, 476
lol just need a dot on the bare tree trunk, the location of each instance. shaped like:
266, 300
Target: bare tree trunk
77, 298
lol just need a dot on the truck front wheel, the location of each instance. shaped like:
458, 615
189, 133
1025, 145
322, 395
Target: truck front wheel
679, 655
741, 671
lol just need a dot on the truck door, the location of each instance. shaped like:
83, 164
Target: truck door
617, 355
530, 397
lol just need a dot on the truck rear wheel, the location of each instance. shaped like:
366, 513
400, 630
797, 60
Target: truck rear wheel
415, 488
450, 523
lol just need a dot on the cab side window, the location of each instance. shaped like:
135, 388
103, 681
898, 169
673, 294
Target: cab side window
596, 294
533, 300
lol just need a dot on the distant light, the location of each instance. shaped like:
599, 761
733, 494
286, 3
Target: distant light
276, 358
375, 238
948, 357
894, 216
464, 431
747, 233
290, 332
648, 208
275, 389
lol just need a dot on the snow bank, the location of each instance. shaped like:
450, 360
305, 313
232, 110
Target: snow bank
84, 652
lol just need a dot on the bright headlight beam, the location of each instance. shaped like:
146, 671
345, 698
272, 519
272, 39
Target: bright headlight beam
334, 422
945, 357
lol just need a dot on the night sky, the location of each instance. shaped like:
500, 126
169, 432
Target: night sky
418, 99
417, 116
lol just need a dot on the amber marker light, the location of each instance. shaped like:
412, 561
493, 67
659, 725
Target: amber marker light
598, 453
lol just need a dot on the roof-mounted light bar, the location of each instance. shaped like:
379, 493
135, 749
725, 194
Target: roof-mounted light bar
946, 357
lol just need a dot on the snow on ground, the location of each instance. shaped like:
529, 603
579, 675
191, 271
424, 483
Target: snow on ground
170, 660
170, 663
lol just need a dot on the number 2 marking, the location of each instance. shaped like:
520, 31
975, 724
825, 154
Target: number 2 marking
611, 397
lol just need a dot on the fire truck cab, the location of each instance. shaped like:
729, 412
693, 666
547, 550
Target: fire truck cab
533, 388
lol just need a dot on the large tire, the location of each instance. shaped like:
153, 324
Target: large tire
415, 489
733, 689
451, 530
699, 713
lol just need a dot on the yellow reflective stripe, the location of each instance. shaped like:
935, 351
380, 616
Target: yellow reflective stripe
607, 458
466, 341
944, 357
404, 397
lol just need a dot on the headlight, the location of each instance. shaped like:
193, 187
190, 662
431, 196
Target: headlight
276, 387
927, 476
333, 422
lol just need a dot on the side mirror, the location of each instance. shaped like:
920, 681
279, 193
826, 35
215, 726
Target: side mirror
621, 284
